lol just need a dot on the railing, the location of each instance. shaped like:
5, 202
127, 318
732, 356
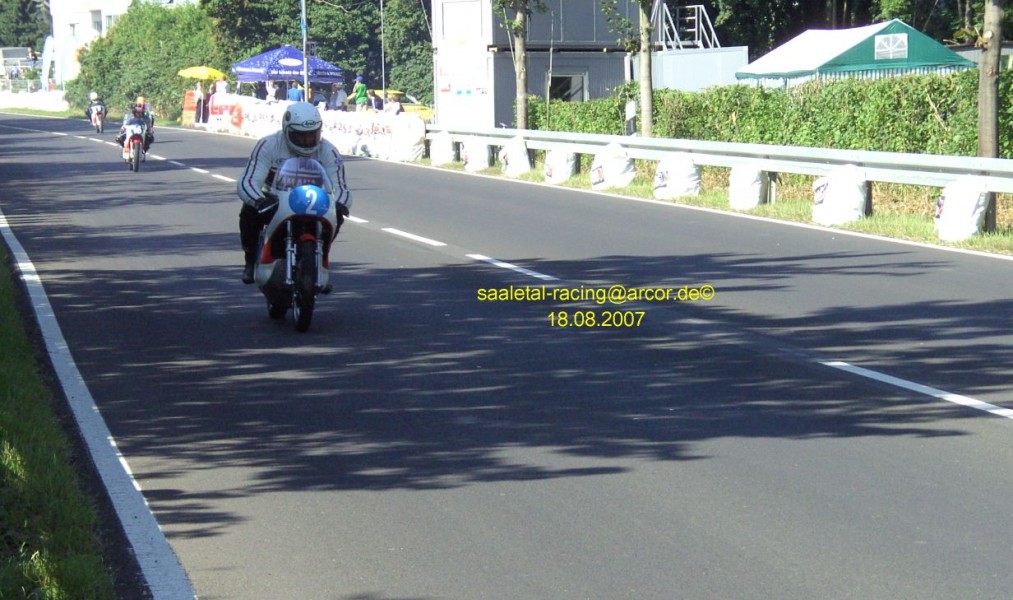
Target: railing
915, 169
691, 27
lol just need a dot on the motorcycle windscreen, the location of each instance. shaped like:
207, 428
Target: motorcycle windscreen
304, 182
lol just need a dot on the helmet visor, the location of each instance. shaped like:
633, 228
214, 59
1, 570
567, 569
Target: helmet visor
304, 139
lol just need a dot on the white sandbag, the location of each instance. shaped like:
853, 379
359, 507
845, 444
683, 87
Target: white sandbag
441, 149
362, 147
475, 154
840, 197
677, 176
960, 211
612, 168
748, 186
560, 165
514, 156
408, 138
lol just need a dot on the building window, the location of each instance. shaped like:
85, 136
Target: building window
96, 21
568, 86
890, 46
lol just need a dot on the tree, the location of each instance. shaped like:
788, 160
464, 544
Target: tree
24, 23
639, 42
142, 54
346, 32
988, 92
515, 20
409, 48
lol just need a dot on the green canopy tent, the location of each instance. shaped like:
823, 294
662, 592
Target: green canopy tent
880, 50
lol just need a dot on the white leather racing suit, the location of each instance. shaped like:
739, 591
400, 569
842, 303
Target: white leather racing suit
267, 156
271, 151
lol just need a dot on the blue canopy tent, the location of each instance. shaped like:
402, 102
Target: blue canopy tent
285, 64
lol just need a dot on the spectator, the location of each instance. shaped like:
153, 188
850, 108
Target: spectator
260, 91
338, 98
374, 103
280, 92
360, 94
295, 92
222, 86
198, 93
393, 104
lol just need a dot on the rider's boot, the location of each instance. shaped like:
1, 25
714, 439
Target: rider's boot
248, 269
249, 235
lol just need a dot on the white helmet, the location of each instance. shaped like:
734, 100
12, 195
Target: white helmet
302, 127
93, 96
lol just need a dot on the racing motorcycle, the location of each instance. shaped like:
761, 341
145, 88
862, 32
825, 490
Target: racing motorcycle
292, 256
133, 145
97, 114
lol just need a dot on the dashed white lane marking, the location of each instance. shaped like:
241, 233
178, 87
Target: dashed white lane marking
512, 267
921, 389
162, 571
223, 178
199, 170
843, 366
412, 236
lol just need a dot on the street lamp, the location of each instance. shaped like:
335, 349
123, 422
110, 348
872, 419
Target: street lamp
305, 57
383, 58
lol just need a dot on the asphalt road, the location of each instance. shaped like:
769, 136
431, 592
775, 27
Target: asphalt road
418, 443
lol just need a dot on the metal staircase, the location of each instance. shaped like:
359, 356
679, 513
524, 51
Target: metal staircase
690, 27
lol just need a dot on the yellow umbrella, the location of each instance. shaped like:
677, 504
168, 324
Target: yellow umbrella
201, 73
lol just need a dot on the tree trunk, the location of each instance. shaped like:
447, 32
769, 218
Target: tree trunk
988, 93
646, 84
519, 32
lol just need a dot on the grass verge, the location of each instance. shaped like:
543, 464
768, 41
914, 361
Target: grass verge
901, 212
49, 530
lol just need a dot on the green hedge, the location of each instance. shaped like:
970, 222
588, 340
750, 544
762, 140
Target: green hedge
928, 114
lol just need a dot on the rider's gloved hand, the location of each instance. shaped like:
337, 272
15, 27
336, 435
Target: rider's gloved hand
342, 209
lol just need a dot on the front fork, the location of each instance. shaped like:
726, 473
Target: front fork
290, 254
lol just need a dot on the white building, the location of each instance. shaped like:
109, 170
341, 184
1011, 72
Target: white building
572, 55
75, 24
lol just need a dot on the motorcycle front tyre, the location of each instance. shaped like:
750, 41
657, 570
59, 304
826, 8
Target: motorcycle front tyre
135, 156
304, 294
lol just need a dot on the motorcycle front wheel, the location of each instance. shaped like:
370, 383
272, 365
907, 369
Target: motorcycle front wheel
135, 156
304, 286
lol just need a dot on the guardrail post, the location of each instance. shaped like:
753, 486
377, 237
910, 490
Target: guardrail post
868, 198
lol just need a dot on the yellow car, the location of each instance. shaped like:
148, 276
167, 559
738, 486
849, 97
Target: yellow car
410, 104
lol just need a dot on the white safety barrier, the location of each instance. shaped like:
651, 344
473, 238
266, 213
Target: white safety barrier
388, 136
514, 157
840, 197
960, 211
560, 165
612, 168
677, 175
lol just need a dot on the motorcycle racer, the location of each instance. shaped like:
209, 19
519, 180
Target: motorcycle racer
300, 135
140, 110
94, 100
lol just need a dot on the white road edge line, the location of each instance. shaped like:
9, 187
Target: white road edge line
921, 389
412, 236
160, 567
506, 265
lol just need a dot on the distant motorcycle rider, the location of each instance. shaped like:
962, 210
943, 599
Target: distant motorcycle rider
94, 100
138, 112
300, 135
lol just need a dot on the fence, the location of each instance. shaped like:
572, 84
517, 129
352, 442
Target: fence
891, 167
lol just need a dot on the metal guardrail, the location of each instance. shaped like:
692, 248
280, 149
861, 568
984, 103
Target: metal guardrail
892, 167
